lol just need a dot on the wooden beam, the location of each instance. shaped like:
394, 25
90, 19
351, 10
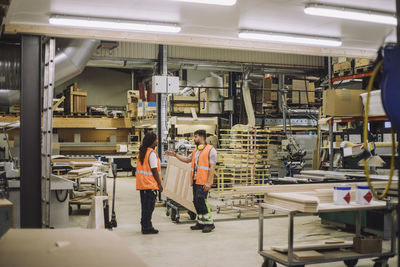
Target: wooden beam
184, 40
63, 122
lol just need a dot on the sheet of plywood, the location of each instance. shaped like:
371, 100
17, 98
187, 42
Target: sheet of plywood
314, 246
263, 189
308, 255
80, 173
293, 201
176, 183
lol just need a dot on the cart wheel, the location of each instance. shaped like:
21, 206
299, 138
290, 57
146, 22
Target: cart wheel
192, 215
177, 220
173, 215
351, 263
379, 264
167, 212
69, 209
268, 263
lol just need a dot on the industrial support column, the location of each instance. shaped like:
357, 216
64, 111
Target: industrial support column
30, 151
398, 147
281, 99
162, 130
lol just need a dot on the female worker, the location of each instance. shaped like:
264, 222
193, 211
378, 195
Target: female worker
148, 180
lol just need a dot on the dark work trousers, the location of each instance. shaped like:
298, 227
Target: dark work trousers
199, 199
148, 201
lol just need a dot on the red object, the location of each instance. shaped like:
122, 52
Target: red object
368, 197
347, 197
142, 95
356, 76
150, 96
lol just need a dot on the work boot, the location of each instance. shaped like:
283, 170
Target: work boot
150, 231
208, 228
197, 226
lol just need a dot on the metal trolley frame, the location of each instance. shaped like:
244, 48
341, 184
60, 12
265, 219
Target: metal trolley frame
349, 257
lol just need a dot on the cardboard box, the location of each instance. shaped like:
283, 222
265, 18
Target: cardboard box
299, 93
365, 245
267, 94
342, 102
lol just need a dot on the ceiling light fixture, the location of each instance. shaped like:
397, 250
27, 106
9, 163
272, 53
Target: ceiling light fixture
350, 14
113, 24
211, 2
290, 38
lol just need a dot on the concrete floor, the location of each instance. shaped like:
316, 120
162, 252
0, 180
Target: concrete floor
232, 243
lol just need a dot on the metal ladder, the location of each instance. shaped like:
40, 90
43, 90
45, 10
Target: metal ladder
47, 129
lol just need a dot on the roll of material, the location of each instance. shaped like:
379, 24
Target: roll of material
363, 194
342, 194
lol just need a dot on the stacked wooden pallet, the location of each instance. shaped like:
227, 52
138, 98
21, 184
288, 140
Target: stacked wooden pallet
75, 102
342, 69
245, 157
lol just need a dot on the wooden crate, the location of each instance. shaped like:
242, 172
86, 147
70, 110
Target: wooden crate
75, 100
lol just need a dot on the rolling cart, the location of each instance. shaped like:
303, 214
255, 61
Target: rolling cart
348, 256
174, 209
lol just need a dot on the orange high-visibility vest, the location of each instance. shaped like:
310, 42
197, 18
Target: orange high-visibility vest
144, 177
203, 166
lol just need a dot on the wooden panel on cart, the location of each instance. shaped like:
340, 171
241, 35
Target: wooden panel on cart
176, 183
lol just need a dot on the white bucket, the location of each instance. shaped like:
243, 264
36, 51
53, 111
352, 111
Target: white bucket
342, 194
363, 194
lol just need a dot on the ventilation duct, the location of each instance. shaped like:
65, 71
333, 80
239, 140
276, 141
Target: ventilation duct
71, 59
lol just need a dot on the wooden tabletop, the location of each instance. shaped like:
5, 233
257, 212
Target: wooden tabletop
65, 248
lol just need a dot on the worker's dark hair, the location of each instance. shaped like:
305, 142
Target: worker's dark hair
147, 142
202, 133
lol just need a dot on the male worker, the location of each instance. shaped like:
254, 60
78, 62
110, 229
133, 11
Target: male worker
148, 180
203, 159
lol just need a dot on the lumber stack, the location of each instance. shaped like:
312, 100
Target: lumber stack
294, 201
80, 173
245, 157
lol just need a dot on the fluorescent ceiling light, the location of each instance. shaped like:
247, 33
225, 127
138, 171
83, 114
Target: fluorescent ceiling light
211, 2
350, 14
113, 24
290, 38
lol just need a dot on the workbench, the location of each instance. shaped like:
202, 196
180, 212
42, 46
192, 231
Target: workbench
349, 256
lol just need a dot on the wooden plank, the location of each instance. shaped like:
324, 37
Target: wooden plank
65, 247
263, 189
321, 245
176, 183
59, 101
308, 255
80, 173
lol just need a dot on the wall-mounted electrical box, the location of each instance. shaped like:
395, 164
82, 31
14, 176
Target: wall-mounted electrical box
165, 84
